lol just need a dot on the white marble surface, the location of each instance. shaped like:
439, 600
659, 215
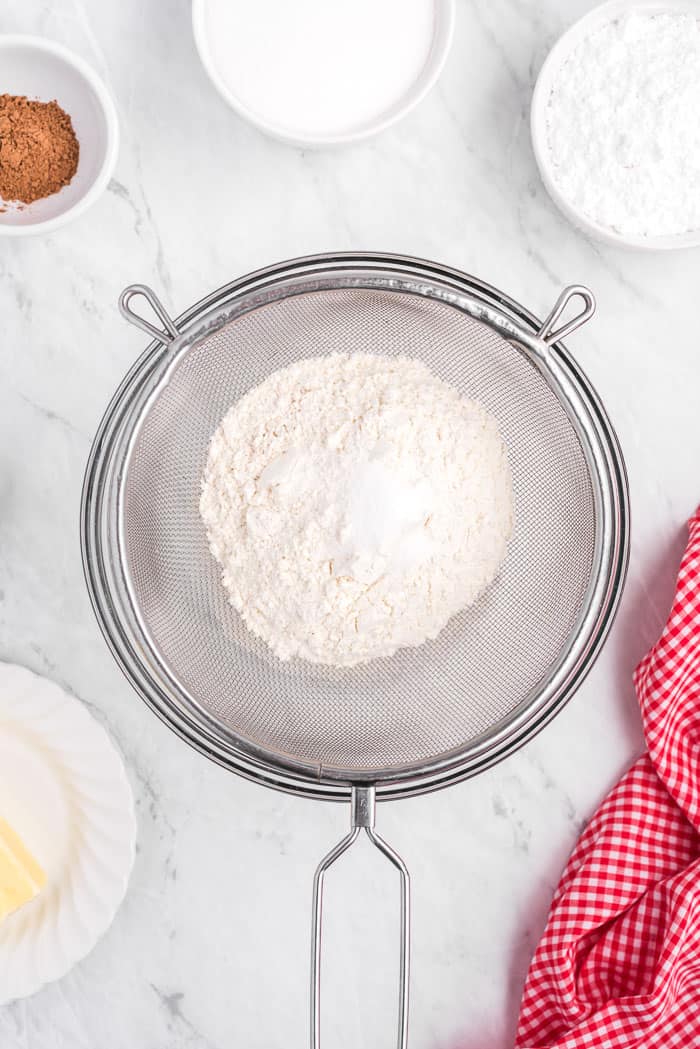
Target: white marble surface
210, 948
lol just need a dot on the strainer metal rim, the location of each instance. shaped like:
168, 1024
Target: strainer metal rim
535, 352
109, 591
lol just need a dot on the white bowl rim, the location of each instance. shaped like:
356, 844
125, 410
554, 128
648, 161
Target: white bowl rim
596, 17
99, 184
420, 88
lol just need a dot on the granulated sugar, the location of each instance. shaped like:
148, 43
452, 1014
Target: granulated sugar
319, 67
623, 124
355, 503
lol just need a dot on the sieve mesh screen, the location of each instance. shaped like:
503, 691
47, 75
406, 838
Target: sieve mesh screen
421, 702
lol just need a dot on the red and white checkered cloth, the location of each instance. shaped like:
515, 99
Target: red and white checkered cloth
619, 963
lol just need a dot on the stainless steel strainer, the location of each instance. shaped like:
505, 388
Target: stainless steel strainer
424, 717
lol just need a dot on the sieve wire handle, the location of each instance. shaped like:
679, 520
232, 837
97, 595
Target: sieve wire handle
551, 334
363, 817
129, 314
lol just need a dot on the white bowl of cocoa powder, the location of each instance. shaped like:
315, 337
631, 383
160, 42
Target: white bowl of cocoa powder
59, 136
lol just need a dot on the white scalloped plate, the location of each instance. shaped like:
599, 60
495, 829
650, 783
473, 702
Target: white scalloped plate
64, 789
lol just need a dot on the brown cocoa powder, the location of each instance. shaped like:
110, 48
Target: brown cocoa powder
38, 149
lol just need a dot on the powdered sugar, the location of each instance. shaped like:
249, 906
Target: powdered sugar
622, 124
355, 503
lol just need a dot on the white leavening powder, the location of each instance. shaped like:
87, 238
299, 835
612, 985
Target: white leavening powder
355, 503
623, 124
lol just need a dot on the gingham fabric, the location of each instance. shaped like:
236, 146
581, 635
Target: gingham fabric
619, 963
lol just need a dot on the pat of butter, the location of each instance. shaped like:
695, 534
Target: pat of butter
21, 877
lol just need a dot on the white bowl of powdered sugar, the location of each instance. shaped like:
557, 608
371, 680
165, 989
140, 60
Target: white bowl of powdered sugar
615, 127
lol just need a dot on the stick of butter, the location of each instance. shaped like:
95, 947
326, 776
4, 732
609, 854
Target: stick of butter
21, 877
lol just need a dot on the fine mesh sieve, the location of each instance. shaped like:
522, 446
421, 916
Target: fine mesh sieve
426, 714
422, 701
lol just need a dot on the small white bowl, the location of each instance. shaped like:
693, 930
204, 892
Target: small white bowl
44, 70
591, 21
439, 50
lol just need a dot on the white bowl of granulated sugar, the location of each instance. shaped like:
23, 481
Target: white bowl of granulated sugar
321, 72
615, 127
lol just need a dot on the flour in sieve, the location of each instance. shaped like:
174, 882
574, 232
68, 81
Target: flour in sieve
355, 503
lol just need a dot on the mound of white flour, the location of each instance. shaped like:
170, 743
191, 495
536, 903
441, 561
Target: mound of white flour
355, 503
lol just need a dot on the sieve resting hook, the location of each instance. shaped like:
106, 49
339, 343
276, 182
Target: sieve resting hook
551, 334
363, 817
143, 291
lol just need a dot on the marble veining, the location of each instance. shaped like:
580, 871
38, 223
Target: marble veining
210, 947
